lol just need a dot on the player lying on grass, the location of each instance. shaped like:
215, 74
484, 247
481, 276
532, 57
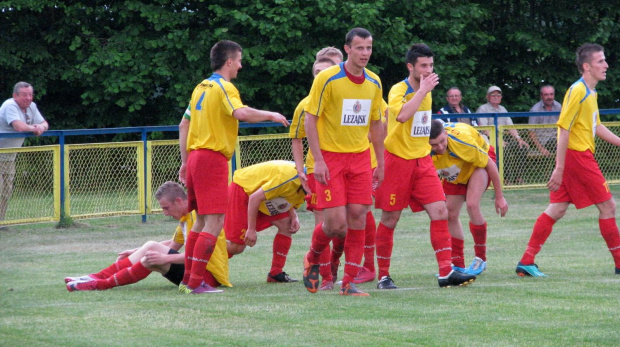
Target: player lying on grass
134, 265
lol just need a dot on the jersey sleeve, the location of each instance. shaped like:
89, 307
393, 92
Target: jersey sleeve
465, 147
297, 128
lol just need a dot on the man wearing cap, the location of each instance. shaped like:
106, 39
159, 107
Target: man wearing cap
518, 150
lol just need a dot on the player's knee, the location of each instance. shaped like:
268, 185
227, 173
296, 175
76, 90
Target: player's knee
235, 248
150, 245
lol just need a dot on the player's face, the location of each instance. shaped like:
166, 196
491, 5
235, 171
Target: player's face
359, 52
547, 95
423, 67
598, 66
320, 67
235, 65
454, 97
23, 98
440, 143
174, 208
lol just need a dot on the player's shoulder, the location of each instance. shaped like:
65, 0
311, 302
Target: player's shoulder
373, 77
331, 73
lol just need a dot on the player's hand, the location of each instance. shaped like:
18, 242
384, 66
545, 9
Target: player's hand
522, 143
427, 84
295, 225
155, 258
321, 172
250, 237
377, 177
124, 254
501, 206
182, 173
278, 118
556, 180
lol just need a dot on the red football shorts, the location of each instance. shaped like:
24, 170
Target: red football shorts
350, 180
311, 196
236, 221
583, 183
412, 183
207, 181
461, 189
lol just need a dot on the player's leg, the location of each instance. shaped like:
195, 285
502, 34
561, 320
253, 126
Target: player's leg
385, 244
541, 231
454, 203
477, 185
367, 273
609, 229
281, 246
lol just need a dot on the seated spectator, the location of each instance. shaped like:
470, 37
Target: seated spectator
515, 148
455, 105
545, 139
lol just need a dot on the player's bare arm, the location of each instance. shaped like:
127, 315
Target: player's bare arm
321, 173
253, 203
252, 115
411, 107
560, 157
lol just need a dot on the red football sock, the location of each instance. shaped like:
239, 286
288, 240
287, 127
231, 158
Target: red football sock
369, 242
385, 243
442, 244
202, 253
479, 233
353, 253
320, 242
281, 246
542, 230
337, 250
112, 269
325, 269
190, 243
129, 275
210, 280
458, 255
609, 231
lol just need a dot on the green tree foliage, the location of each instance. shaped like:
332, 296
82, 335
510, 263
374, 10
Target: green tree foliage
130, 63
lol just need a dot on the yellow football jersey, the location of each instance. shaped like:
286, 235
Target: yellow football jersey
344, 109
408, 140
212, 123
279, 181
580, 116
467, 150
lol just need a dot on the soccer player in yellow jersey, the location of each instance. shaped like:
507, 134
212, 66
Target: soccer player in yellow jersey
136, 264
297, 133
260, 196
412, 180
345, 105
466, 164
577, 177
215, 110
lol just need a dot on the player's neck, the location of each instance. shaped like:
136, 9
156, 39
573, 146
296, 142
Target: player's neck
590, 81
415, 84
353, 69
224, 73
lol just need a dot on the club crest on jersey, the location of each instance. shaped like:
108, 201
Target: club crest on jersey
355, 112
277, 205
449, 174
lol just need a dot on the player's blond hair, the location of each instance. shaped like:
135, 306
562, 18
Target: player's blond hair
329, 52
170, 190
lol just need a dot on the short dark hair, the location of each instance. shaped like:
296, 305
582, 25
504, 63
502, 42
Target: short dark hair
418, 50
436, 128
170, 190
222, 51
361, 32
584, 54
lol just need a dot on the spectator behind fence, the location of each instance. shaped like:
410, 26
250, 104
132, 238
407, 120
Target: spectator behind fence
455, 105
515, 150
545, 139
17, 114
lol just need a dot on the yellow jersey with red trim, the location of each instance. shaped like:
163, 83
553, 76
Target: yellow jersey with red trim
408, 140
466, 151
298, 130
344, 109
373, 155
218, 264
279, 181
212, 125
580, 116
